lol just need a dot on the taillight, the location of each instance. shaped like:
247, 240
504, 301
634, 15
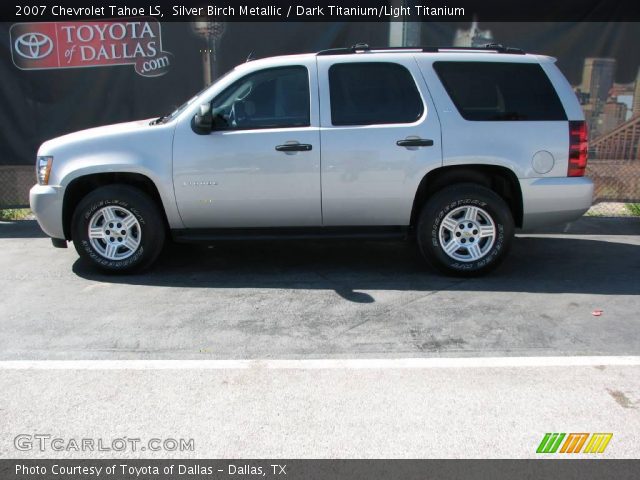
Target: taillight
578, 147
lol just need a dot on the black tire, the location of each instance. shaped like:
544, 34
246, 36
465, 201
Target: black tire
447, 201
149, 231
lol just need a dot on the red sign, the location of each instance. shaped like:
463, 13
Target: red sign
136, 41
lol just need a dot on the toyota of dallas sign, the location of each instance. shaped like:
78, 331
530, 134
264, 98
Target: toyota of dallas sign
53, 45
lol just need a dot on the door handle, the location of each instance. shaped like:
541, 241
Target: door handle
415, 142
294, 147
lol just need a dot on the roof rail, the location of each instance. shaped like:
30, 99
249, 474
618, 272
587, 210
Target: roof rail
363, 47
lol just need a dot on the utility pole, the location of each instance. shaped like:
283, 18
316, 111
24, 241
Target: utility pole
211, 32
402, 31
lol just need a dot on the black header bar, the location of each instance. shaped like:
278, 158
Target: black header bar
325, 10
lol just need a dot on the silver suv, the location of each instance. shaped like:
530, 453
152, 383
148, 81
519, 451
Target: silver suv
458, 147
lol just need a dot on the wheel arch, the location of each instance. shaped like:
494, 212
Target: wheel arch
501, 180
79, 187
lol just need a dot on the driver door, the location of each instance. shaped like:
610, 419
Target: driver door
260, 166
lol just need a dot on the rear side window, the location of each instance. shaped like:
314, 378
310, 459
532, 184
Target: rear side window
373, 93
486, 91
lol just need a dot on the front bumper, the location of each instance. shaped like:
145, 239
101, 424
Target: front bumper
46, 204
549, 201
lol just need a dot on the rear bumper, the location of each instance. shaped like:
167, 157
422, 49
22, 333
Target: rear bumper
46, 204
549, 201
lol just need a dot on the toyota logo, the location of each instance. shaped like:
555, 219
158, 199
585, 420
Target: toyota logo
33, 45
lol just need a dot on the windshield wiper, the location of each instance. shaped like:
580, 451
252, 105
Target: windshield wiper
159, 120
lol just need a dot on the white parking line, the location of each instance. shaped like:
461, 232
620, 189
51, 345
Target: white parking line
403, 363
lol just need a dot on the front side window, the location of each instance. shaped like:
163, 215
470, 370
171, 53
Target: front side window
493, 91
271, 98
373, 93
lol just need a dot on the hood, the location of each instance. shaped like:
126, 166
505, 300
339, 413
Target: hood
92, 134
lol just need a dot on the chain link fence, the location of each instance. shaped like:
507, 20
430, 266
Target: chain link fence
15, 182
617, 186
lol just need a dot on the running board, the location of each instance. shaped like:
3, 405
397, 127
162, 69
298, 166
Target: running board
298, 233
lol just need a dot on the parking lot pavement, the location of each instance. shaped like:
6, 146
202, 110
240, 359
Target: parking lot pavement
324, 300
324, 350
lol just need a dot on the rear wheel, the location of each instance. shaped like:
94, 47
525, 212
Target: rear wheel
465, 230
118, 228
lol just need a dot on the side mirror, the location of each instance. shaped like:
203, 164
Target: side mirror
202, 122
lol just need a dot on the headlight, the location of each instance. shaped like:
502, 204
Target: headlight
43, 169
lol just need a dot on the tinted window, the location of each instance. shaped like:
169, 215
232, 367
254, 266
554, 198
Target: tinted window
272, 98
500, 91
373, 93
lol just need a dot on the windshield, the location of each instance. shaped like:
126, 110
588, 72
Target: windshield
181, 108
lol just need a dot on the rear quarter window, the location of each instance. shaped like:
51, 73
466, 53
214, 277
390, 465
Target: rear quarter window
500, 91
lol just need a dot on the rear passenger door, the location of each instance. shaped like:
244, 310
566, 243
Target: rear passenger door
380, 135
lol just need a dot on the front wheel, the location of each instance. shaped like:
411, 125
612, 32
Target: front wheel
465, 230
118, 228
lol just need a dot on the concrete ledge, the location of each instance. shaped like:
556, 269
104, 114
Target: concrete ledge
596, 226
377, 412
